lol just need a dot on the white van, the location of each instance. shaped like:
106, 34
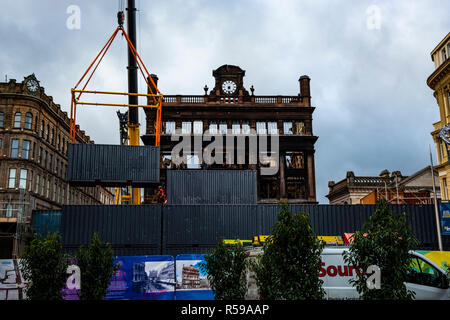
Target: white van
429, 281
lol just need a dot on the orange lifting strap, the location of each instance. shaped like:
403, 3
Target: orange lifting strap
157, 97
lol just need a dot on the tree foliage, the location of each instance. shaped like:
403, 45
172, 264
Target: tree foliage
226, 267
96, 264
289, 266
385, 242
44, 268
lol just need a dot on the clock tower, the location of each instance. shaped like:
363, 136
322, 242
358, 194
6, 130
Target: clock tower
229, 81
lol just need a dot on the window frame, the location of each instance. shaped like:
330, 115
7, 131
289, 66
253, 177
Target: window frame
197, 127
24, 150
213, 127
288, 127
15, 149
420, 263
272, 127
261, 127
28, 121
186, 127
12, 177
18, 114
23, 179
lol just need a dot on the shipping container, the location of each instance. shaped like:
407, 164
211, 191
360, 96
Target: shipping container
46, 221
212, 187
112, 165
339, 219
174, 229
119, 225
208, 224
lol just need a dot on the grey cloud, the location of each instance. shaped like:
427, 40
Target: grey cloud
374, 110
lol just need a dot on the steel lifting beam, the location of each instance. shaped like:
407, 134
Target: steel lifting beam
134, 63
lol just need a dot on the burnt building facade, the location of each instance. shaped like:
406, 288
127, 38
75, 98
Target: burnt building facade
270, 134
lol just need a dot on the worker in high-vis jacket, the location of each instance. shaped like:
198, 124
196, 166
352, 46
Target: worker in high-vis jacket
161, 196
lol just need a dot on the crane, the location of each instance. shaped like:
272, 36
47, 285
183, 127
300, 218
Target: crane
135, 63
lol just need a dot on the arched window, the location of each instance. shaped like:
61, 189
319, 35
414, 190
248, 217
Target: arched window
28, 120
17, 119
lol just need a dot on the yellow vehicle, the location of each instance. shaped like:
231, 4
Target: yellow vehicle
441, 258
259, 240
329, 240
244, 243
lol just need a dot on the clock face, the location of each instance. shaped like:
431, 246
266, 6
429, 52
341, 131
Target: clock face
32, 85
228, 87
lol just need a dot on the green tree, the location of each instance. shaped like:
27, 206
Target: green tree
288, 269
97, 266
226, 267
44, 268
385, 242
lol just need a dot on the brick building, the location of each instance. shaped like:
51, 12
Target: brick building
34, 134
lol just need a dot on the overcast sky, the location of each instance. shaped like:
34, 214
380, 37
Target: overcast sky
368, 62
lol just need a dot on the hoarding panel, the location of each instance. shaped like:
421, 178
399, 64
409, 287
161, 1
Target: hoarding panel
192, 283
445, 218
12, 284
143, 278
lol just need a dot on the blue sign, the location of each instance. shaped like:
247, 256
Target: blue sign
192, 283
445, 217
143, 278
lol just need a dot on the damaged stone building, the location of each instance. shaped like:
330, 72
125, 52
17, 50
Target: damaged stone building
233, 110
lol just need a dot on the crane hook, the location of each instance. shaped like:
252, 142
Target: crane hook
120, 18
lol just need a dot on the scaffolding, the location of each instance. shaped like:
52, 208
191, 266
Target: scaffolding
16, 220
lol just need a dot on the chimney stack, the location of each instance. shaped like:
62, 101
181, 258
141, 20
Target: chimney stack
305, 93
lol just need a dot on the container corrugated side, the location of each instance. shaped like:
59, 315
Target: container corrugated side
116, 224
212, 187
113, 165
46, 221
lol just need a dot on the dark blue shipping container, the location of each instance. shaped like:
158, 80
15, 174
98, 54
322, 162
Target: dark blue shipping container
46, 221
112, 165
212, 187
174, 229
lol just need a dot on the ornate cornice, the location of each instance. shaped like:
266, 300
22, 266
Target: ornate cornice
442, 71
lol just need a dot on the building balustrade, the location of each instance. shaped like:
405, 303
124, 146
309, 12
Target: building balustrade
204, 99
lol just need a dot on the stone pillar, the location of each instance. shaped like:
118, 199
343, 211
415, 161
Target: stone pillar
283, 193
311, 179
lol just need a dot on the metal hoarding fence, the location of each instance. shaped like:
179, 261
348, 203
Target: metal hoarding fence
208, 224
12, 283
212, 187
113, 165
143, 278
123, 226
176, 229
46, 221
